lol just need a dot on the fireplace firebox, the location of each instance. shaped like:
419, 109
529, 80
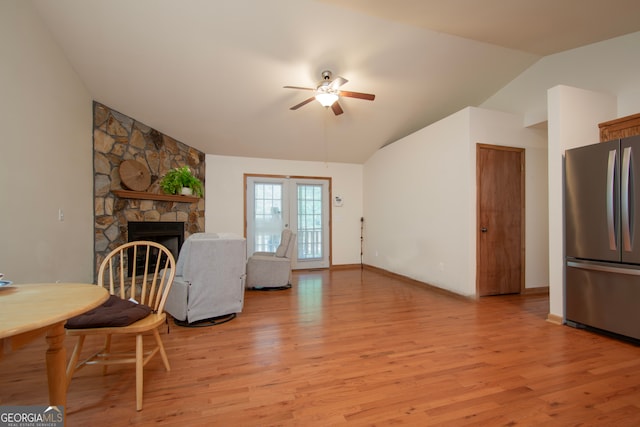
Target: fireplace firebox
168, 233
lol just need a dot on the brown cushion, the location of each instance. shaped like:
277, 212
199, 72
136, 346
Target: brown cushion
113, 312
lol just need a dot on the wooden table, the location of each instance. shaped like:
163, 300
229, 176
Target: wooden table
29, 311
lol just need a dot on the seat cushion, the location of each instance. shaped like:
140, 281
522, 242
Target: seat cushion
114, 312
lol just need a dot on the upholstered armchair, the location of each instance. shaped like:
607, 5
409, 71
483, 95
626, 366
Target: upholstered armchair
272, 269
210, 276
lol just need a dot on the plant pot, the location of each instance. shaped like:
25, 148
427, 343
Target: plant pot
186, 191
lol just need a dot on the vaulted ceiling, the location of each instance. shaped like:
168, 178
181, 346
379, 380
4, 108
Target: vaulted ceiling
210, 73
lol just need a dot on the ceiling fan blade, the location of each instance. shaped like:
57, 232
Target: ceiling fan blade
359, 95
305, 102
337, 82
337, 109
297, 87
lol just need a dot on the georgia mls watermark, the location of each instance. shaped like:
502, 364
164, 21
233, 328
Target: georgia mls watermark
31, 416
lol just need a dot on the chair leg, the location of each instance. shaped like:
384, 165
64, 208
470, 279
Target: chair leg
163, 354
75, 356
106, 350
139, 369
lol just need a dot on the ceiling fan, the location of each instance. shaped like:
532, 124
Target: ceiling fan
328, 91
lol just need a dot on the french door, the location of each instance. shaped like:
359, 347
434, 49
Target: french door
301, 204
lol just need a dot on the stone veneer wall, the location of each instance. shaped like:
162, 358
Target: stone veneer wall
117, 137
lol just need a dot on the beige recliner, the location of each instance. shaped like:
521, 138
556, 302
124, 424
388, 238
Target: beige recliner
272, 269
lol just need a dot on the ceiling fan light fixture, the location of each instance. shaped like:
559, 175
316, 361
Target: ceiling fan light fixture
326, 99
328, 91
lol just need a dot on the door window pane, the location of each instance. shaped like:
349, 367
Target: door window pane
267, 216
310, 221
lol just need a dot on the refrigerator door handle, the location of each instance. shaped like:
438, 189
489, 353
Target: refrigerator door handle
611, 168
604, 268
624, 199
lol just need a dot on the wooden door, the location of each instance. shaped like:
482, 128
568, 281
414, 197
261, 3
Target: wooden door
500, 220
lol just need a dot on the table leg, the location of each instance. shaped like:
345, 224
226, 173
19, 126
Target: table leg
56, 369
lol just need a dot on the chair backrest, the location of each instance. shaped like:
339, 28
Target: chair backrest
287, 243
292, 246
140, 270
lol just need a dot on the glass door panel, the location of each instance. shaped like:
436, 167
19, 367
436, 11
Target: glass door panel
309, 221
311, 213
267, 214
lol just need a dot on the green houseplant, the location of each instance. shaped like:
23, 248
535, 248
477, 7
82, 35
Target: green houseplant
178, 178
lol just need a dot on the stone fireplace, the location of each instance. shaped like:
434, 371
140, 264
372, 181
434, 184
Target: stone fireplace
116, 138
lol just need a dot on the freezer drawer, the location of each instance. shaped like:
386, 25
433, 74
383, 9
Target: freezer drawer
604, 296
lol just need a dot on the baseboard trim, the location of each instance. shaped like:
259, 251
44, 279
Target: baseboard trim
535, 291
411, 281
345, 266
555, 319
332, 267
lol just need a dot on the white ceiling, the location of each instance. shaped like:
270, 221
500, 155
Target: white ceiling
210, 72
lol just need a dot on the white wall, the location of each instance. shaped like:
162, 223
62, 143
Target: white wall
420, 200
46, 156
610, 66
417, 203
224, 201
573, 117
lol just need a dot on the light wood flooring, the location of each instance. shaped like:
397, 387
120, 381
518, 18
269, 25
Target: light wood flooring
358, 348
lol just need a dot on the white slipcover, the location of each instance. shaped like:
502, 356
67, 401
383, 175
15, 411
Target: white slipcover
210, 277
272, 269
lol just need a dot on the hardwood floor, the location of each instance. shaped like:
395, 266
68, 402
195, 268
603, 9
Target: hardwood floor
353, 347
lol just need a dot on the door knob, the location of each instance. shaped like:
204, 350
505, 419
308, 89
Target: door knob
483, 229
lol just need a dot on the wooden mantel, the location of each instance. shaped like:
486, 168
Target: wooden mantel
144, 195
620, 128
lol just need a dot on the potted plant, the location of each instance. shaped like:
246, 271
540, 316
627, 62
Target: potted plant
181, 181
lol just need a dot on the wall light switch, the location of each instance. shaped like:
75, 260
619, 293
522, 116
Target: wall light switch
60, 214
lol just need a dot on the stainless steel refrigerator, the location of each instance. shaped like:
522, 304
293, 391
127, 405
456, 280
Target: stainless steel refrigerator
602, 236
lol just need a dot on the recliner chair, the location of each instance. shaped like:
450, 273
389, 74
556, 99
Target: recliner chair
210, 276
272, 269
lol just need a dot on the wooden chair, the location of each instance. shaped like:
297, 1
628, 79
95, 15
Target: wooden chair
152, 272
